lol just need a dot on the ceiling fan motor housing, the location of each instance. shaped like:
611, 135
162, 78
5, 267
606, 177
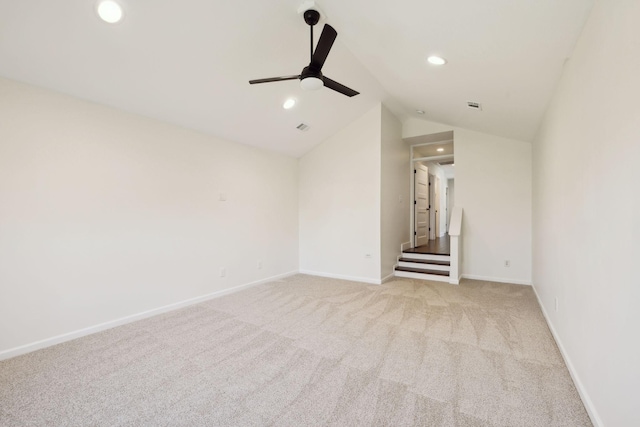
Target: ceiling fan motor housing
310, 71
311, 17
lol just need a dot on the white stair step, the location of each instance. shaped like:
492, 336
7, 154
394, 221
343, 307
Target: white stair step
412, 255
422, 276
424, 266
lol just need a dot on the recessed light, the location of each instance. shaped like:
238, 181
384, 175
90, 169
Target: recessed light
289, 103
420, 111
440, 150
436, 60
110, 11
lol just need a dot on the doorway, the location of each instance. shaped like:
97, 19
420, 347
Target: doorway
431, 156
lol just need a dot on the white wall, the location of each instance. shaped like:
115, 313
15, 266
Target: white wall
452, 198
586, 225
493, 186
339, 196
395, 194
105, 214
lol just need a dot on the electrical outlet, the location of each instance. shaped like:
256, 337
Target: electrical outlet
223, 197
507, 263
556, 301
259, 265
223, 272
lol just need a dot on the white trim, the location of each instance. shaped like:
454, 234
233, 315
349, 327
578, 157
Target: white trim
455, 223
426, 257
424, 144
422, 276
388, 278
404, 246
586, 400
422, 266
340, 276
28, 348
433, 158
496, 279
456, 259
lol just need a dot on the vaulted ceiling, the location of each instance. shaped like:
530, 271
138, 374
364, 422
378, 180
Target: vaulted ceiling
189, 62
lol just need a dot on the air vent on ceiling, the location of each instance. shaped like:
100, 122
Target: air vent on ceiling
474, 105
303, 127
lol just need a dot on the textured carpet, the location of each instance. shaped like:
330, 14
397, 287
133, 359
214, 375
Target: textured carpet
309, 351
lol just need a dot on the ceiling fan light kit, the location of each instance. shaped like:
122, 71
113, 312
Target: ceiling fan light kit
311, 77
311, 83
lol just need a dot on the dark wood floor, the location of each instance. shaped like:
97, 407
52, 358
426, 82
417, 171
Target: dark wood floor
439, 246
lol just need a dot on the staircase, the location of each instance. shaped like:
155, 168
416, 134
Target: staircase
423, 266
439, 259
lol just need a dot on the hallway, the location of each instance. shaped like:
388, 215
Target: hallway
438, 246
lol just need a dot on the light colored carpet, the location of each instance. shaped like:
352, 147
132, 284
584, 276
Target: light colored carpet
309, 351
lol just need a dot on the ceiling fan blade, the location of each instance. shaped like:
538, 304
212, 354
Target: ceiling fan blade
332, 84
327, 38
274, 79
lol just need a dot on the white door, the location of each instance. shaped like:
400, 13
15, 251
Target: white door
421, 203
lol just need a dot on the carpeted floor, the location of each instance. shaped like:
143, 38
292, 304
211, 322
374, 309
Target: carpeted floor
309, 351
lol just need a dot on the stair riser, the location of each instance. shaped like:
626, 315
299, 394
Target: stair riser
424, 266
422, 276
428, 257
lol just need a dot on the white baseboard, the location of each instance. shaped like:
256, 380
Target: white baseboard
405, 245
28, 348
339, 276
586, 400
496, 279
388, 278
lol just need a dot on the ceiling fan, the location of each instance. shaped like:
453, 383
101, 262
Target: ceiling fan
311, 77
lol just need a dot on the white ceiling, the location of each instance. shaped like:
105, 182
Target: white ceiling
432, 150
189, 62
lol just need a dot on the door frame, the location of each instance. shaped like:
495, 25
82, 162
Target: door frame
437, 191
446, 208
417, 204
433, 212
